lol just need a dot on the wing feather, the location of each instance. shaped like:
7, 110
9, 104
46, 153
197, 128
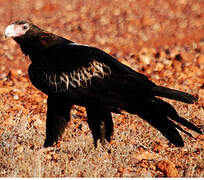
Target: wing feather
88, 75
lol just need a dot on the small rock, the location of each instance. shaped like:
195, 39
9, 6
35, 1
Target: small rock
145, 59
145, 56
200, 61
158, 146
157, 55
145, 155
178, 57
19, 71
167, 51
121, 169
168, 168
159, 66
16, 97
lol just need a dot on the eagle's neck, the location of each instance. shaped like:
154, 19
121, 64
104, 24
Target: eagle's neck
33, 45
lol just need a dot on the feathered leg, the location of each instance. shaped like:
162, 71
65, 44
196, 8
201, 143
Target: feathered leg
58, 114
100, 123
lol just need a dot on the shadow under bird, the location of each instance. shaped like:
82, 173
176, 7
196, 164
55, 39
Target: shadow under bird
71, 73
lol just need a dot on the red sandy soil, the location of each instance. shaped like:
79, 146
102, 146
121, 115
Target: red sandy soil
164, 39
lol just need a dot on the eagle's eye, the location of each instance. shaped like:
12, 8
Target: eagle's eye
25, 27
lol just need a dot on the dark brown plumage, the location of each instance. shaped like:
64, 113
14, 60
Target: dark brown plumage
70, 73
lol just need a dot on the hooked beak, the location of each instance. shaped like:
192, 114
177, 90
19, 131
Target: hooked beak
12, 31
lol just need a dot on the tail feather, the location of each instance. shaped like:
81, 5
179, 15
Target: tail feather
152, 114
169, 110
162, 115
173, 94
178, 127
169, 131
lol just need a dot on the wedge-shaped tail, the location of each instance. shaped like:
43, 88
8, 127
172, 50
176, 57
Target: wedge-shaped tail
162, 115
173, 94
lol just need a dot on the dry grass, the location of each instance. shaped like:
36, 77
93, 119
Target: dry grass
22, 154
147, 35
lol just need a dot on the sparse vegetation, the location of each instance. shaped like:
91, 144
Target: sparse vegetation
163, 41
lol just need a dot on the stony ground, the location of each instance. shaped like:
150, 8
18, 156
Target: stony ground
162, 39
